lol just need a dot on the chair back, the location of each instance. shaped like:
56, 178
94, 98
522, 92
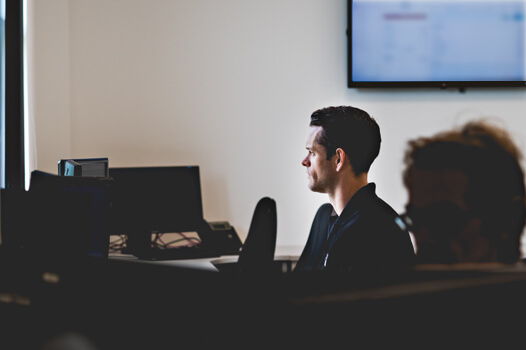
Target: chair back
257, 252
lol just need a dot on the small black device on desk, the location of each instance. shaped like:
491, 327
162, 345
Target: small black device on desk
148, 201
86, 167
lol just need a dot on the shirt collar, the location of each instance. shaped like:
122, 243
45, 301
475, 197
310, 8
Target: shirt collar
357, 199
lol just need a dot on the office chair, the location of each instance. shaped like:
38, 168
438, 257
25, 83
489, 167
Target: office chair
257, 252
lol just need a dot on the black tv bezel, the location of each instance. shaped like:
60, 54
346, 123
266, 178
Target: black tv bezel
417, 84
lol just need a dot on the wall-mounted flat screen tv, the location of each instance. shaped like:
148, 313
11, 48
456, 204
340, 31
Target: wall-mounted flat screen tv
436, 43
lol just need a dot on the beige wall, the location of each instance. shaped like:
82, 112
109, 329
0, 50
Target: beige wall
228, 85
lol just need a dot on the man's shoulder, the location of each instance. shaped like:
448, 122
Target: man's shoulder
374, 205
376, 215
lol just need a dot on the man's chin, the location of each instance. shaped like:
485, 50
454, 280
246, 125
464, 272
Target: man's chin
316, 189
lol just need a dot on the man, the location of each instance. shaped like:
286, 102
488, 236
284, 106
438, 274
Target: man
357, 230
466, 196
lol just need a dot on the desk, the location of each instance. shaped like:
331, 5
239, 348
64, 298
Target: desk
124, 304
287, 256
197, 264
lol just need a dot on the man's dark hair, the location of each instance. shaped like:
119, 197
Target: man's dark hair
352, 130
492, 163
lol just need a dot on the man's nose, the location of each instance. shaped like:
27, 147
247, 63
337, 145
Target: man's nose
305, 161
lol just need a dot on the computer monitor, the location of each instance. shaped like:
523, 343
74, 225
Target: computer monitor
148, 200
69, 216
96, 167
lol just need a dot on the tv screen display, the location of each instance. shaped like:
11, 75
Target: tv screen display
436, 43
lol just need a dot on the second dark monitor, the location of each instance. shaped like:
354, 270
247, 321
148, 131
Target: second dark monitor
156, 199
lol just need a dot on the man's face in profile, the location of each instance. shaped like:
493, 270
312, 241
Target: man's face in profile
445, 229
320, 174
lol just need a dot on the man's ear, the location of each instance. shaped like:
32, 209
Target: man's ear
339, 159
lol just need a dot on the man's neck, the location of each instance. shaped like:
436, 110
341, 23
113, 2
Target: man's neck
345, 191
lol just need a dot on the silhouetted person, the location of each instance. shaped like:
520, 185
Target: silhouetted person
357, 230
466, 195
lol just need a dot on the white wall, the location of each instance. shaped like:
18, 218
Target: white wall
227, 85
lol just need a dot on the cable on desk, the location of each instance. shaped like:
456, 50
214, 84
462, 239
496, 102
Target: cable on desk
158, 241
118, 244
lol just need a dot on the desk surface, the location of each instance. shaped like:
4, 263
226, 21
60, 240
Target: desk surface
283, 253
